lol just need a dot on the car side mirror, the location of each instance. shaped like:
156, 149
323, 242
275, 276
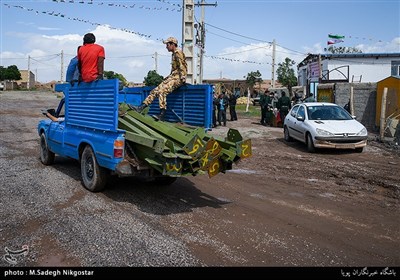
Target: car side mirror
300, 118
354, 117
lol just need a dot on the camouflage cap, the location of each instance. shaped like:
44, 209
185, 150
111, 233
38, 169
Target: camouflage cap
171, 40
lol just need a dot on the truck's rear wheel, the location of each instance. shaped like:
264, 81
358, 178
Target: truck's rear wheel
94, 177
46, 156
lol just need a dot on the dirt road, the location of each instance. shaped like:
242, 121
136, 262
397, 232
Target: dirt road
281, 207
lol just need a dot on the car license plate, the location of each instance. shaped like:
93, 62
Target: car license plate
345, 146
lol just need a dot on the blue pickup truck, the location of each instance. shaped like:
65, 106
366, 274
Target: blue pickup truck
99, 132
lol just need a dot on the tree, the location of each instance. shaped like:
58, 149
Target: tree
333, 49
286, 74
153, 78
10, 73
253, 78
113, 75
2, 73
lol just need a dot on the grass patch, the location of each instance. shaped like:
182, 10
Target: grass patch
254, 111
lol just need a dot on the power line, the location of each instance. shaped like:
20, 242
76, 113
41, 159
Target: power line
237, 34
291, 50
226, 37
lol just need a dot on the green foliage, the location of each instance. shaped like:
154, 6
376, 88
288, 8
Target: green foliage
333, 49
153, 78
10, 73
285, 73
253, 78
112, 75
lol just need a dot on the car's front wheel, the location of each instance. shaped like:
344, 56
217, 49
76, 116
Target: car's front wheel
310, 144
94, 177
286, 134
46, 156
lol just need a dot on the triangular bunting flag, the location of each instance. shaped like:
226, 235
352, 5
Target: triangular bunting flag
334, 41
335, 36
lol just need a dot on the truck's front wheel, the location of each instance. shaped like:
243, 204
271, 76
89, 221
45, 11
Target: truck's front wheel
94, 177
46, 156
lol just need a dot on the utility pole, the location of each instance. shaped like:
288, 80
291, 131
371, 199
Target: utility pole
156, 62
29, 73
201, 40
62, 65
187, 37
273, 64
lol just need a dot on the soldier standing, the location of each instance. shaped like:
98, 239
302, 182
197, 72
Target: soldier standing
264, 100
174, 80
232, 106
284, 104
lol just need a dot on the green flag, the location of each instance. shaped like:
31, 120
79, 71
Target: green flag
335, 36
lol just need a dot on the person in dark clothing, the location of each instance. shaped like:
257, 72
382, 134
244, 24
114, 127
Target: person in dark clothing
347, 107
264, 101
232, 107
215, 106
283, 106
222, 104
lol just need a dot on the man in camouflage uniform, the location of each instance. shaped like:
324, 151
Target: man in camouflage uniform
175, 79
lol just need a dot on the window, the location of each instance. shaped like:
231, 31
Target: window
395, 68
301, 112
294, 111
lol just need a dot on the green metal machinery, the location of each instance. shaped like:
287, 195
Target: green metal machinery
176, 149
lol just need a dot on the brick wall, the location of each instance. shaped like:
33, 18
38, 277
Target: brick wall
364, 101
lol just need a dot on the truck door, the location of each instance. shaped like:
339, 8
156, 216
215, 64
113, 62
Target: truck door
56, 131
56, 136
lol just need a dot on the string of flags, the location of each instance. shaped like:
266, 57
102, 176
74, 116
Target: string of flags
335, 39
52, 13
90, 2
236, 60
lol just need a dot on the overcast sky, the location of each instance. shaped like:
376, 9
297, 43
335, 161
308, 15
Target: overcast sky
238, 33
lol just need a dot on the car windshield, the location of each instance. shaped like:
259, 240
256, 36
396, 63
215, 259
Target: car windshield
327, 112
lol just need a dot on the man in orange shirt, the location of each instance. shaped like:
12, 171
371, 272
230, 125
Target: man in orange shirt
91, 59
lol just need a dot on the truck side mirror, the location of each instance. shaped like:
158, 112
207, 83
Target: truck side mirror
52, 112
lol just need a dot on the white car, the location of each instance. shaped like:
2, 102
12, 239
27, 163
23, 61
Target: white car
324, 125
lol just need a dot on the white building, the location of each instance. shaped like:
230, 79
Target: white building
346, 67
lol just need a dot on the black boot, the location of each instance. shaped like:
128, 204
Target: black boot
161, 116
138, 109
